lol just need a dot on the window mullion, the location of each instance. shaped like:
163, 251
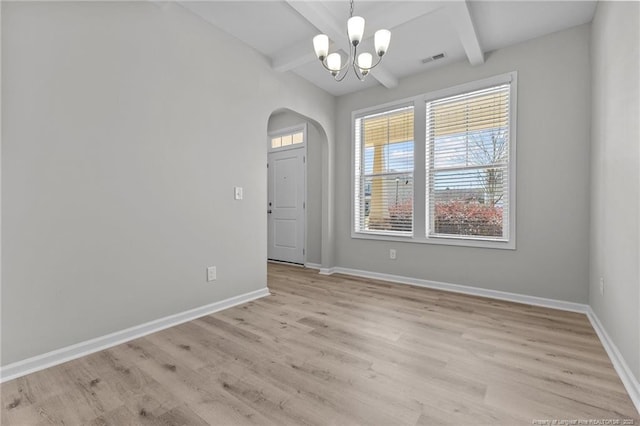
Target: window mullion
419, 171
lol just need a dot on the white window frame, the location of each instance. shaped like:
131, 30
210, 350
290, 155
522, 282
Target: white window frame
355, 209
420, 174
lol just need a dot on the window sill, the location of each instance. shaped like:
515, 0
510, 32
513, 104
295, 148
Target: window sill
439, 240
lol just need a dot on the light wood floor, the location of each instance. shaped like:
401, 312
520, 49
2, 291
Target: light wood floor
338, 350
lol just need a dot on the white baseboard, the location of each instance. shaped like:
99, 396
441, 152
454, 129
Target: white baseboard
313, 265
476, 291
327, 271
58, 356
622, 368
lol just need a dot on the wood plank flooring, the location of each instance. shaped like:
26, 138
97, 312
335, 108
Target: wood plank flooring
338, 351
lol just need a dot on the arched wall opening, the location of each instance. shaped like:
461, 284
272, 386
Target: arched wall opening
317, 182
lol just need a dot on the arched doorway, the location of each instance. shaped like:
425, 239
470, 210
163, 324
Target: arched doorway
296, 147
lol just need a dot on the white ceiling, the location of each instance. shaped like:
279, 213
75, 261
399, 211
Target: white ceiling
282, 31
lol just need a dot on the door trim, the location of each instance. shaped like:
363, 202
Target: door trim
285, 131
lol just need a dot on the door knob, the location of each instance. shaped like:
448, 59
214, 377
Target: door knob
269, 211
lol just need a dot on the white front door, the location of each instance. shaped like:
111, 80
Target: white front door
285, 208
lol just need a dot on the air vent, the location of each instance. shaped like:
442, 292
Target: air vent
433, 58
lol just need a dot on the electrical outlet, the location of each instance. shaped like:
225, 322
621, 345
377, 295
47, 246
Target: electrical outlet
211, 273
392, 254
601, 286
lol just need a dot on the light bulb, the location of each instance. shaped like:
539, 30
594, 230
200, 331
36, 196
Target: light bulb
364, 62
334, 61
381, 41
321, 46
355, 29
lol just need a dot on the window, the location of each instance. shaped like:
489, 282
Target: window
282, 141
458, 187
384, 169
468, 156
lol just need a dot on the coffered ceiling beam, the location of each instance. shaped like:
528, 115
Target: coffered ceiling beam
296, 55
390, 15
461, 19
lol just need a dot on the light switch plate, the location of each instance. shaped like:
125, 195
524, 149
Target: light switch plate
237, 193
211, 273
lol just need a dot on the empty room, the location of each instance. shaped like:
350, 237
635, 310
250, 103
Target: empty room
324, 212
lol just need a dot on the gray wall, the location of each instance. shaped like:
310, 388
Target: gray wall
316, 141
615, 175
121, 140
551, 259
125, 128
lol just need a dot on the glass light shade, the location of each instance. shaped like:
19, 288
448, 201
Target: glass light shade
381, 41
334, 61
364, 62
355, 29
321, 45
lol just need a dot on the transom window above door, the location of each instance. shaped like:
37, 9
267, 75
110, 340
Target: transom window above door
286, 140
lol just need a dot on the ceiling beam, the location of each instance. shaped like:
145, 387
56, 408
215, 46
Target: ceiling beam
461, 19
389, 15
296, 55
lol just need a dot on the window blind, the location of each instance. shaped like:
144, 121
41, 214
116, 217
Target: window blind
384, 172
467, 161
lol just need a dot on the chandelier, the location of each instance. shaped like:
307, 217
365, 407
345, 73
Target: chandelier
362, 63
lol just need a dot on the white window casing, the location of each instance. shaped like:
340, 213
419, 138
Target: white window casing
384, 166
463, 175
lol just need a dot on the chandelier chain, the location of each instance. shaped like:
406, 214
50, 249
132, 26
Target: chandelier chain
351, 10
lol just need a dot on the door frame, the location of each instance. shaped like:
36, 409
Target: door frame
281, 132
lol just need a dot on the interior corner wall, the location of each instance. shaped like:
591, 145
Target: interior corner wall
315, 144
551, 259
615, 175
125, 127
